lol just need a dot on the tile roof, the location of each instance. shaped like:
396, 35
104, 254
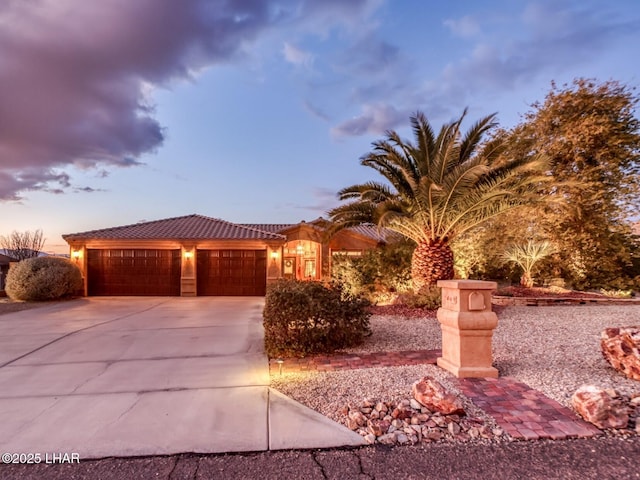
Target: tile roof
376, 233
367, 230
190, 227
269, 227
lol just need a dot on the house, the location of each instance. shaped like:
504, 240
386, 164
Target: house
5, 263
198, 255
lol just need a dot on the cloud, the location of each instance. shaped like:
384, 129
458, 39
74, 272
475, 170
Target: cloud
374, 119
76, 77
316, 111
510, 52
297, 56
324, 199
555, 37
463, 27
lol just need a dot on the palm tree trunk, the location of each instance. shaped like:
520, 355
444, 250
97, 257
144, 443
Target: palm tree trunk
432, 261
526, 280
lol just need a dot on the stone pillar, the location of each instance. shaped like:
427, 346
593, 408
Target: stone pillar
188, 284
467, 324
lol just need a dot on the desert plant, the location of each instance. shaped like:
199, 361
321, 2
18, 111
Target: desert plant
43, 278
302, 318
614, 293
379, 274
438, 188
429, 298
526, 256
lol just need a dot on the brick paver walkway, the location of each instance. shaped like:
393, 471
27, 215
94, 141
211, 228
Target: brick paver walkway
524, 413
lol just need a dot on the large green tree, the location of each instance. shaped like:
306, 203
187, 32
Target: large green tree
436, 188
590, 134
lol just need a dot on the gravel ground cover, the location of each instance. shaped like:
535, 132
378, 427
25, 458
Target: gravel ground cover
552, 349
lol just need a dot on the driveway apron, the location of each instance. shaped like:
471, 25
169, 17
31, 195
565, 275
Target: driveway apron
146, 376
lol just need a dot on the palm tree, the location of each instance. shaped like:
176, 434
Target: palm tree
526, 256
437, 188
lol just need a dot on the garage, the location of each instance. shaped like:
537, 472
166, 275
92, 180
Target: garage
115, 272
232, 272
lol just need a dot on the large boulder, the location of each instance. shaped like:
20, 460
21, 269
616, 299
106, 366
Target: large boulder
430, 393
621, 348
599, 407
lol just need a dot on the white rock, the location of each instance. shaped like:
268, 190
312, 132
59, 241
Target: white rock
387, 439
370, 438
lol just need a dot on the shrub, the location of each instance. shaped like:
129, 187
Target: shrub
429, 298
380, 275
302, 318
43, 278
616, 293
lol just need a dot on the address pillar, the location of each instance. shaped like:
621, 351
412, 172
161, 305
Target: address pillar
467, 324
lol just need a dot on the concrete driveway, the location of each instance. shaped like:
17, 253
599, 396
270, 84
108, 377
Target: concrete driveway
146, 376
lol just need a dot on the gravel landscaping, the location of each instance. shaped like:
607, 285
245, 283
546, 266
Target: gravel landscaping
552, 349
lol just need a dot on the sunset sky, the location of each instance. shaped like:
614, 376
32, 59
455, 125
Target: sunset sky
257, 111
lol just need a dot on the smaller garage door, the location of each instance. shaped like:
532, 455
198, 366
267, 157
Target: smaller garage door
133, 272
232, 272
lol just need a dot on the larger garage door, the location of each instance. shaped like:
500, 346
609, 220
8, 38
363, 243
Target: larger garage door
133, 272
232, 272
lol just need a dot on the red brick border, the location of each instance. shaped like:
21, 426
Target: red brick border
523, 412
348, 361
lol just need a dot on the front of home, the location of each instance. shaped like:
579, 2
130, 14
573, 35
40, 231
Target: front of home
198, 255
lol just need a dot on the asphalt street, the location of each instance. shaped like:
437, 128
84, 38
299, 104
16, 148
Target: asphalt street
601, 458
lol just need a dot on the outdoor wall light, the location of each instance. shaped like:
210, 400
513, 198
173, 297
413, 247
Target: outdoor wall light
188, 255
280, 361
274, 255
76, 254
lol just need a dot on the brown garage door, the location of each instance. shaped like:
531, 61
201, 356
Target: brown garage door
133, 272
232, 272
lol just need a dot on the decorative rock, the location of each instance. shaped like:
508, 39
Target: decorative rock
352, 424
454, 428
413, 403
621, 348
405, 424
368, 403
638, 425
401, 413
387, 439
358, 418
377, 428
439, 421
430, 393
381, 407
596, 406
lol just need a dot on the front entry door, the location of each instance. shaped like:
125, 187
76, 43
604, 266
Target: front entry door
289, 270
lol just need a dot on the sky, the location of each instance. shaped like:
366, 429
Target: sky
258, 111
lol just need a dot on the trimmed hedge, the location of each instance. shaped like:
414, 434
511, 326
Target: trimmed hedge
43, 278
303, 318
